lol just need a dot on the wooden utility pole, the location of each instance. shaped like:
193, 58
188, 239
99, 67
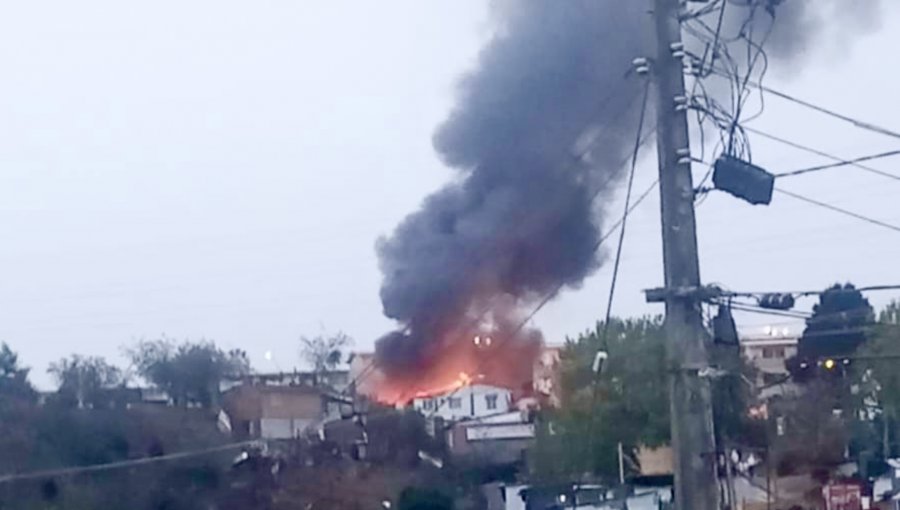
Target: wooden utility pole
696, 485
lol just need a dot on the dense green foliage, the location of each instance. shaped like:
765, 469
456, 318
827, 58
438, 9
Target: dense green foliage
630, 406
55, 433
189, 372
629, 403
841, 322
86, 381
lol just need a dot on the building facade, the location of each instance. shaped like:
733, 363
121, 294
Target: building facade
768, 354
467, 402
492, 440
274, 412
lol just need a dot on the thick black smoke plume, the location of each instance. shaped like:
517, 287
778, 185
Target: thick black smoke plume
534, 138
520, 219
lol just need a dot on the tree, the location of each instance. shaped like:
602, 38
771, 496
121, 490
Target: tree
189, 372
324, 353
85, 381
877, 376
14, 383
839, 325
632, 406
813, 433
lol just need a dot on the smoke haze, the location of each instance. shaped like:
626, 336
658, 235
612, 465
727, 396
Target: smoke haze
533, 140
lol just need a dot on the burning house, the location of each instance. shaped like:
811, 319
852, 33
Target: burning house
537, 154
535, 388
467, 401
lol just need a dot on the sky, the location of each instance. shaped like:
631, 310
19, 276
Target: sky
222, 170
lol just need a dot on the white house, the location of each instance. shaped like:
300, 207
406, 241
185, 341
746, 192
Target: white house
472, 401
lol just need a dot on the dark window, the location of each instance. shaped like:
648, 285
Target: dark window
455, 402
773, 352
491, 401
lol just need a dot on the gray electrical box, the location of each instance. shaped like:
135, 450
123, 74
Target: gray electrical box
743, 180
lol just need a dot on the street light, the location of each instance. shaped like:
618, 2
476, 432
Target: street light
599, 359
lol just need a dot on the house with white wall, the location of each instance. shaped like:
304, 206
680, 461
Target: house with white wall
466, 402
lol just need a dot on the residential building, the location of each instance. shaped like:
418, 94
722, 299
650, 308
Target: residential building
579, 496
466, 402
495, 440
274, 412
543, 387
768, 353
335, 380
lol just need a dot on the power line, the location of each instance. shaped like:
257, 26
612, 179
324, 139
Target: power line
843, 163
821, 109
602, 105
807, 293
52, 473
550, 295
818, 152
839, 210
595, 393
767, 311
639, 142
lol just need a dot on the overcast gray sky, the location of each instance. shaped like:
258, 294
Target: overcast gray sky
222, 169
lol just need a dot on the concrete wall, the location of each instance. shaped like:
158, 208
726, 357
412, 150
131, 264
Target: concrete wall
491, 443
493, 432
282, 428
273, 412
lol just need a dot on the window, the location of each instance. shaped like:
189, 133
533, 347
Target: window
773, 352
491, 401
454, 402
428, 404
768, 378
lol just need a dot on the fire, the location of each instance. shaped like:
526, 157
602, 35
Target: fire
488, 361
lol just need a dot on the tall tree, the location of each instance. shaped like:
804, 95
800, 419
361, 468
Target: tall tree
324, 352
631, 405
878, 378
839, 324
17, 409
85, 381
189, 372
14, 383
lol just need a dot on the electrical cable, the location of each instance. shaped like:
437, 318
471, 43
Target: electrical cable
722, 293
640, 140
850, 162
550, 295
818, 152
69, 471
839, 210
602, 105
595, 383
821, 109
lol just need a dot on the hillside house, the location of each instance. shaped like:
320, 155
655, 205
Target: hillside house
274, 412
466, 402
491, 440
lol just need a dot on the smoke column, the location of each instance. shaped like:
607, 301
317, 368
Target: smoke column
533, 141
519, 220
